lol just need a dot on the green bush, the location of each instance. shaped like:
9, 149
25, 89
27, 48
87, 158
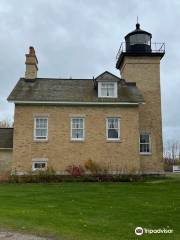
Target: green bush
48, 177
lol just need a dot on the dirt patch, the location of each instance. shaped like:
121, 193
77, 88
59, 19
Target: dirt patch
19, 236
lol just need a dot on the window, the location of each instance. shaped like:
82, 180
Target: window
39, 165
41, 128
77, 129
107, 89
113, 128
145, 143
140, 39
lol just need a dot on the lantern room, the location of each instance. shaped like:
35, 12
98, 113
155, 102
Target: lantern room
138, 41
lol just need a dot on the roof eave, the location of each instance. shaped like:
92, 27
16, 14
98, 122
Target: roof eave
74, 103
135, 54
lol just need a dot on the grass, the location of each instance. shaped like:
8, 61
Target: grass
92, 211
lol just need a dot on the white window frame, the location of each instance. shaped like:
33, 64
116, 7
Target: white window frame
107, 128
83, 128
100, 94
149, 143
34, 161
39, 138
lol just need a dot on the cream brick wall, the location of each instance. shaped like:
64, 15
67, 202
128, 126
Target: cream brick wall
31, 64
145, 71
5, 163
31, 71
120, 156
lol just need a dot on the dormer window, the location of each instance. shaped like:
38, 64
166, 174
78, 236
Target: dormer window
107, 89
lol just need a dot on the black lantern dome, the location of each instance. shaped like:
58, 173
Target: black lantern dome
138, 44
138, 41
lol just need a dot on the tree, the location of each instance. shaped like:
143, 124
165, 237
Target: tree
172, 151
6, 123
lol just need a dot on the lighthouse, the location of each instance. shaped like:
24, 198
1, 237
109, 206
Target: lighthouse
138, 60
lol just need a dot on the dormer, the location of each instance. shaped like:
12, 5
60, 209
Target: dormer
107, 85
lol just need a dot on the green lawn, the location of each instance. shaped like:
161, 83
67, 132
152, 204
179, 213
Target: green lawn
92, 211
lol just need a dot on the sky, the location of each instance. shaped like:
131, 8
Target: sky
80, 39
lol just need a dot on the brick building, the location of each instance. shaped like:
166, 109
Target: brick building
113, 121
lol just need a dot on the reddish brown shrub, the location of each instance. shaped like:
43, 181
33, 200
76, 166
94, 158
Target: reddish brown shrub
75, 170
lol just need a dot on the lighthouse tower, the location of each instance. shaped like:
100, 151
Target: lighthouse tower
138, 60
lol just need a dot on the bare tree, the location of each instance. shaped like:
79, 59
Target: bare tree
6, 123
172, 151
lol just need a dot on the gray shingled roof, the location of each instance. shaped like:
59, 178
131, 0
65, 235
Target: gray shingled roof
72, 90
6, 137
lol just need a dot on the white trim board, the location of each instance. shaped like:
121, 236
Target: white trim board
6, 148
77, 103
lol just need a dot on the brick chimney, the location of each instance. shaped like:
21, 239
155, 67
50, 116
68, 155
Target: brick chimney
31, 64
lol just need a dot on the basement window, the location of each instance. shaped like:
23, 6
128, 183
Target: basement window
40, 128
77, 129
145, 144
39, 165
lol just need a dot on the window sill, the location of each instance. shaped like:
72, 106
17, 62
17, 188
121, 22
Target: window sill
38, 170
145, 154
113, 141
107, 97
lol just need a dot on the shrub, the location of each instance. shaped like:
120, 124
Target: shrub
48, 175
93, 167
168, 167
75, 170
45, 178
168, 164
